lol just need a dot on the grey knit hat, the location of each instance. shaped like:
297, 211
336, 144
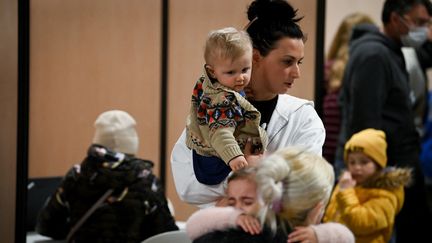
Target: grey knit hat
115, 130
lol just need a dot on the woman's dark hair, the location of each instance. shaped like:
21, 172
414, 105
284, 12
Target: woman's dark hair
270, 21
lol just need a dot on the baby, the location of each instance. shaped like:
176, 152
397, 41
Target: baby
221, 120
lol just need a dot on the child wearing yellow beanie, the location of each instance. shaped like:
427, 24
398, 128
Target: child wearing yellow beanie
369, 195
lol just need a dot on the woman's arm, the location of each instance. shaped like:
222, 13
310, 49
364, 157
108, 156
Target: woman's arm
311, 132
211, 219
333, 233
187, 186
322, 233
295, 123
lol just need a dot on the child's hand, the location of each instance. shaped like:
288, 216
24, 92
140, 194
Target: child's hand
346, 181
249, 224
238, 163
303, 234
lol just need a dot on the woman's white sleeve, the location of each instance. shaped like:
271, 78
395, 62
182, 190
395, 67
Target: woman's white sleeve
310, 132
188, 188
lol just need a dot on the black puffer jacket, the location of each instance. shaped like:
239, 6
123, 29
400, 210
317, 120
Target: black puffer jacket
136, 209
238, 235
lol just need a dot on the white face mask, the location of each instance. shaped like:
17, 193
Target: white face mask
415, 37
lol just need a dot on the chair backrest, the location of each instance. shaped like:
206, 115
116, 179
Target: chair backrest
177, 236
38, 191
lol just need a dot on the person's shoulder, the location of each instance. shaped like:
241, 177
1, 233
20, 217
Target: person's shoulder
290, 105
293, 102
371, 44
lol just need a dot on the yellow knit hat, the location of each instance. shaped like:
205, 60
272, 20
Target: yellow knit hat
370, 141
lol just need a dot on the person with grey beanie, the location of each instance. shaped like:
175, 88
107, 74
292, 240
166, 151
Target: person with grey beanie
112, 196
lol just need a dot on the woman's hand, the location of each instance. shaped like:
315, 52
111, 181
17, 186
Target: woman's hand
251, 158
303, 235
249, 224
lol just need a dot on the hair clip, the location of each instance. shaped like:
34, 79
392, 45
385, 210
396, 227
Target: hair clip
250, 23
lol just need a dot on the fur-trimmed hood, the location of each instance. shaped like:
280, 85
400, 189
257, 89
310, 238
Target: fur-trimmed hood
390, 178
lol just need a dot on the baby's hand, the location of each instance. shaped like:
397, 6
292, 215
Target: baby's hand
346, 181
303, 234
238, 163
249, 224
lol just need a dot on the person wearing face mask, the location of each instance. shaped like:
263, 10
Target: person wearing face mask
376, 94
417, 51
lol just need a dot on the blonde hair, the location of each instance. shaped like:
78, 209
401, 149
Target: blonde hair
295, 180
338, 51
226, 43
247, 173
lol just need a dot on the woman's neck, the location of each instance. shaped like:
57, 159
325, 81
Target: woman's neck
262, 93
260, 89
264, 97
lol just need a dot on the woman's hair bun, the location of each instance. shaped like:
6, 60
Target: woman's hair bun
272, 10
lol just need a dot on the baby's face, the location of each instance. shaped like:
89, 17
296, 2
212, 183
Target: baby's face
232, 73
242, 194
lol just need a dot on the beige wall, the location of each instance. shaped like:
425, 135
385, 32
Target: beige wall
87, 57
8, 122
336, 10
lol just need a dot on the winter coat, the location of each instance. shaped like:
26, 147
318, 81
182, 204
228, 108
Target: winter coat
136, 209
369, 210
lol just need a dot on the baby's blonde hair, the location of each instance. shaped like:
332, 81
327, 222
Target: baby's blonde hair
226, 43
295, 180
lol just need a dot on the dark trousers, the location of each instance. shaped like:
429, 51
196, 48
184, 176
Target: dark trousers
413, 223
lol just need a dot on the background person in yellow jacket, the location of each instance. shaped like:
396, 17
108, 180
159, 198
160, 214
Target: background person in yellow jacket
369, 195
